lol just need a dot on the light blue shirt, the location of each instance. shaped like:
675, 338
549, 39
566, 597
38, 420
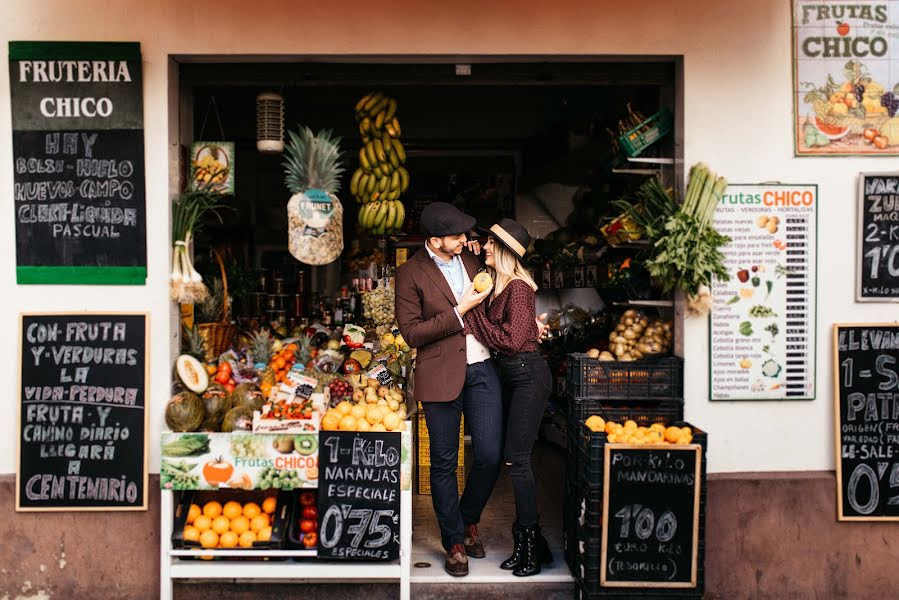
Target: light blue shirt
453, 271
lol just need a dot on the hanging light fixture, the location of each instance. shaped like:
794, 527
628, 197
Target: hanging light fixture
270, 123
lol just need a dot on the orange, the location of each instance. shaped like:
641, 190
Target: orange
203, 523
240, 524
672, 434
312, 472
221, 524
348, 423
191, 534
358, 412
344, 407
482, 282
363, 425
209, 539
269, 505
264, 534
232, 509
259, 522
251, 509
392, 421
630, 425
610, 426
331, 421
246, 539
228, 539
378, 427
193, 513
212, 509
374, 415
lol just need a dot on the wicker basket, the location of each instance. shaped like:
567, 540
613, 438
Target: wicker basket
218, 337
855, 125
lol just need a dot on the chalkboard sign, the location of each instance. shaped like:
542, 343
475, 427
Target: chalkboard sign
82, 412
78, 162
866, 414
650, 523
359, 495
877, 271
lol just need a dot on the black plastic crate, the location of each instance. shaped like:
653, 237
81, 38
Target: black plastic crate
648, 378
647, 410
295, 536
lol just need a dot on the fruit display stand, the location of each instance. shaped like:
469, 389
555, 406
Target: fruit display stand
271, 459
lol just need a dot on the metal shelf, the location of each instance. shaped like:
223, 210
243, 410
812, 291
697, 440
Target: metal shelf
656, 303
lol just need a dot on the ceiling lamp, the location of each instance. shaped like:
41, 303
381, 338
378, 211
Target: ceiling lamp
270, 123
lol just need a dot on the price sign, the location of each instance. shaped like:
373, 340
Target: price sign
877, 271
82, 417
650, 524
359, 495
866, 411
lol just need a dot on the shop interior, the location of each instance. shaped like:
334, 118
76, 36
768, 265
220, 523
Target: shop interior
532, 140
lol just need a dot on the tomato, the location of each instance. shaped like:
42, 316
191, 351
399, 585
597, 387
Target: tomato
307, 498
843, 28
310, 512
225, 367
310, 540
222, 377
230, 386
308, 525
217, 472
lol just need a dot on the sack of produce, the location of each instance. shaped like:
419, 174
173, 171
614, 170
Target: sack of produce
314, 213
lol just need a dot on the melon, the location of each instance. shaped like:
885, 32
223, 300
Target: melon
184, 412
247, 394
191, 373
217, 403
362, 356
239, 418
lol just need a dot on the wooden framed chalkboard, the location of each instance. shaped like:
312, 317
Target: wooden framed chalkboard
866, 419
82, 412
651, 513
78, 162
877, 268
359, 495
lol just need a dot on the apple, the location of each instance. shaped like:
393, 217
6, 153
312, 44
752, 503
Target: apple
842, 28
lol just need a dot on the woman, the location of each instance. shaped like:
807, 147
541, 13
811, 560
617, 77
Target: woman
506, 324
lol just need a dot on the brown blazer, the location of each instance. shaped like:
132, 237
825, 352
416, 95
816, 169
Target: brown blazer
424, 312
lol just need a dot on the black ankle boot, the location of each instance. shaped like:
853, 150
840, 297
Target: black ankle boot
512, 562
530, 556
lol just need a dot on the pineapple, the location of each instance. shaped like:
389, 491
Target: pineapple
312, 161
261, 347
193, 343
303, 352
210, 309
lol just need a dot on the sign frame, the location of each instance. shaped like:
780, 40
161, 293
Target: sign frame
860, 240
838, 420
146, 462
697, 494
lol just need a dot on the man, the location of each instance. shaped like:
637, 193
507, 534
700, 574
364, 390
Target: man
454, 375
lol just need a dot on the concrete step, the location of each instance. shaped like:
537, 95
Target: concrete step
370, 591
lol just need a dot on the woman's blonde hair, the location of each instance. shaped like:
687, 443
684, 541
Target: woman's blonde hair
507, 266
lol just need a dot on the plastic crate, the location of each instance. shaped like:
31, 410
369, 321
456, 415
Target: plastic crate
588, 526
648, 378
280, 519
644, 411
647, 133
294, 535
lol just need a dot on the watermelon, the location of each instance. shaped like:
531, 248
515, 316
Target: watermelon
247, 394
239, 418
217, 403
185, 412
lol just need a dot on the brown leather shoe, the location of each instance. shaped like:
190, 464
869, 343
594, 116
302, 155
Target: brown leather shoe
473, 546
456, 563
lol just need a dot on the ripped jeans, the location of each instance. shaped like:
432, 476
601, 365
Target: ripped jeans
527, 382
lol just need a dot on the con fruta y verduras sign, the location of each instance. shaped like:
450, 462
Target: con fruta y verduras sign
762, 326
82, 412
845, 76
78, 162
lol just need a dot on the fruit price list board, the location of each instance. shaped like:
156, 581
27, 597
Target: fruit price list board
651, 514
82, 412
78, 163
762, 326
877, 270
866, 411
845, 67
359, 495
239, 460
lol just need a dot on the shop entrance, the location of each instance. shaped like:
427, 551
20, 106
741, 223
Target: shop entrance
532, 138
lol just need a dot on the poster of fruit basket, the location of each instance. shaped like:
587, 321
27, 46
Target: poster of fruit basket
846, 77
212, 167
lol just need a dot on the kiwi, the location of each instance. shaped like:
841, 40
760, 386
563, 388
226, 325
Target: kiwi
305, 444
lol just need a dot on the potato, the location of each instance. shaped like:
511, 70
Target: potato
637, 354
761, 221
621, 328
630, 334
606, 355
771, 227
626, 357
619, 349
629, 321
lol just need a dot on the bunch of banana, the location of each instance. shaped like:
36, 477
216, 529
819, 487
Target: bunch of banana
381, 177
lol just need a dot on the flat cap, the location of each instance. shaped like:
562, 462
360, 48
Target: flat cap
440, 218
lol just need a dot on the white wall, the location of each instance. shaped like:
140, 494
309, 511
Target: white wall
738, 118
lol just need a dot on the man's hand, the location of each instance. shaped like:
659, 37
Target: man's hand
471, 298
474, 246
542, 328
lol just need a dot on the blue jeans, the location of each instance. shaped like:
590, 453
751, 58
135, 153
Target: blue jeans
527, 382
481, 403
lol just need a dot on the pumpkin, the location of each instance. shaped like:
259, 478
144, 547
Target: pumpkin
185, 412
247, 394
217, 403
239, 418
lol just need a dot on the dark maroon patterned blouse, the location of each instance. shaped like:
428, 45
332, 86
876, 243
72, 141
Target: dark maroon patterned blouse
507, 325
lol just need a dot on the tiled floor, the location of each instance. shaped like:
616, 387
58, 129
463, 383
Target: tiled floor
495, 528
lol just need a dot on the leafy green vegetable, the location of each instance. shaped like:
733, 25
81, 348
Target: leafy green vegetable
733, 300
773, 330
761, 311
746, 328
